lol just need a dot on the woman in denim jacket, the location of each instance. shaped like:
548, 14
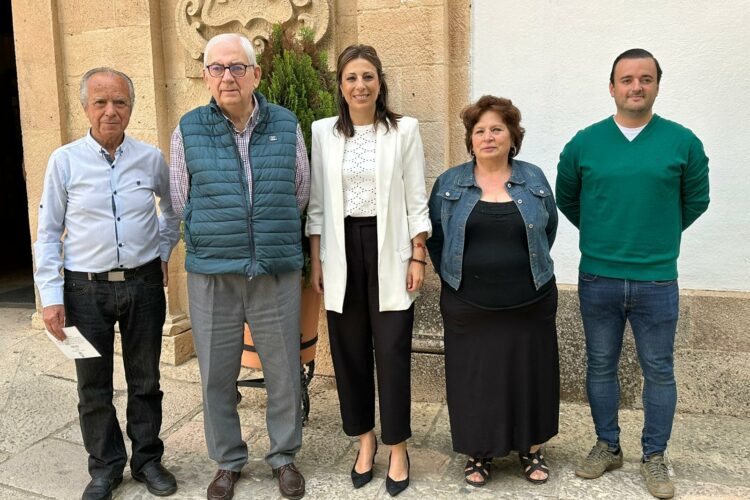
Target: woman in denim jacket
494, 221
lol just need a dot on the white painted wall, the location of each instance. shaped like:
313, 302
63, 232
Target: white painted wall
553, 59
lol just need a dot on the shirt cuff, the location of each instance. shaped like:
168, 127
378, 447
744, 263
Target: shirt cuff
419, 224
51, 296
312, 229
164, 252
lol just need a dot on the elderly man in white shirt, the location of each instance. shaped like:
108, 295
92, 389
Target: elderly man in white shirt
110, 266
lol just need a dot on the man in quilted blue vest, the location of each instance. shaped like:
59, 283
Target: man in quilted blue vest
240, 179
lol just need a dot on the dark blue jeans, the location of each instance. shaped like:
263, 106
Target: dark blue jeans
652, 307
139, 306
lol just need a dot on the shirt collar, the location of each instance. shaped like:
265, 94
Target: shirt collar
516, 173
99, 148
250, 121
466, 176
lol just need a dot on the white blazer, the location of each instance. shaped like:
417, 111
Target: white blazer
401, 208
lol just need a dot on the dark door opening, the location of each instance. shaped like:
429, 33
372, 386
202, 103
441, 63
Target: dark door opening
16, 279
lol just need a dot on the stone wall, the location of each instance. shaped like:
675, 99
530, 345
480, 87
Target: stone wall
425, 48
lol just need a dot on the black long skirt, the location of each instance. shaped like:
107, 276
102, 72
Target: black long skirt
502, 375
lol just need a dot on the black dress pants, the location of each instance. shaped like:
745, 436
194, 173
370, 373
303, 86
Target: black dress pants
352, 336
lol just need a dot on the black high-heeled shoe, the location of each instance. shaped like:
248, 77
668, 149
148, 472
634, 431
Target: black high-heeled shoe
360, 479
392, 486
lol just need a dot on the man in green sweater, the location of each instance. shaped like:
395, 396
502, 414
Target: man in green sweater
631, 184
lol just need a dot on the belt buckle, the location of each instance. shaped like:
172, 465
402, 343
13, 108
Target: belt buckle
116, 276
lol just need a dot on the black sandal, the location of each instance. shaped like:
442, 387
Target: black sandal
481, 465
532, 462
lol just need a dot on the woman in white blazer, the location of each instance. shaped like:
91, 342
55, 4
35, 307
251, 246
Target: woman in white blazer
368, 221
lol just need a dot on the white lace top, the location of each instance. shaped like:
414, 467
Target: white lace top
358, 173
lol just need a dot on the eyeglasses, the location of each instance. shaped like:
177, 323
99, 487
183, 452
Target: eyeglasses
238, 70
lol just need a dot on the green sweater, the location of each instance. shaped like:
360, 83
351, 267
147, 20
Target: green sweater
632, 200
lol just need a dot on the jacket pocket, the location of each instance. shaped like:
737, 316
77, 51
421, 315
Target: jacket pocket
540, 191
450, 195
540, 215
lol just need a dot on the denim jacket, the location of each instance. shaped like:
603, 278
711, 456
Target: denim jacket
454, 196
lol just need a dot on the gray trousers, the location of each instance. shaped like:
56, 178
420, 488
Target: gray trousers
219, 306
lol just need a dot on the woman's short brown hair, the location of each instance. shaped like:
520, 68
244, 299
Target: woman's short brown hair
510, 114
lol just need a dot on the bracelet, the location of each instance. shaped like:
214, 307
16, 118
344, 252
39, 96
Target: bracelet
419, 245
423, 262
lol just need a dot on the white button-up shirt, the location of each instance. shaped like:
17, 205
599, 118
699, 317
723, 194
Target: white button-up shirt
107, 210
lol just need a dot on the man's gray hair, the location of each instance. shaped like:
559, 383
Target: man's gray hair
225, 37
84, 90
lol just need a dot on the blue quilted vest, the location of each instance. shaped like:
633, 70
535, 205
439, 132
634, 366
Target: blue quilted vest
227, 231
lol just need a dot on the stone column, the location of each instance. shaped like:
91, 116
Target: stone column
177, 342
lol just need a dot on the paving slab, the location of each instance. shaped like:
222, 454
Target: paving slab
323, 449
690, 490
37, 406
427, 464
439, 436
693, 442
181, 401
327, 485
14, 326
423, 417
41, 455
52, 468
21, 358
8, 493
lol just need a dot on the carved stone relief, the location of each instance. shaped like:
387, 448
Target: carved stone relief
198, 20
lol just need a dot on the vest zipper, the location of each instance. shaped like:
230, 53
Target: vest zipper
253, 260
248, 207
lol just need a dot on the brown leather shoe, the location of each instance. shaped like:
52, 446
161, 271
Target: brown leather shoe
222, 485
291, 482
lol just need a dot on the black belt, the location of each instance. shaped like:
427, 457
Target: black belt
116, 274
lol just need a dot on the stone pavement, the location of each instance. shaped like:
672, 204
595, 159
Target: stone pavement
41, 455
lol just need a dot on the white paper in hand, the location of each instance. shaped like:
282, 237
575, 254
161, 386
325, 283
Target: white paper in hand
75, 346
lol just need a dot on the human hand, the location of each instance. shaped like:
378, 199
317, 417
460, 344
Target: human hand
316, 275
165, 273
415, 276
54, 320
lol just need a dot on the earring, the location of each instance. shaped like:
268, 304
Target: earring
513, 151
